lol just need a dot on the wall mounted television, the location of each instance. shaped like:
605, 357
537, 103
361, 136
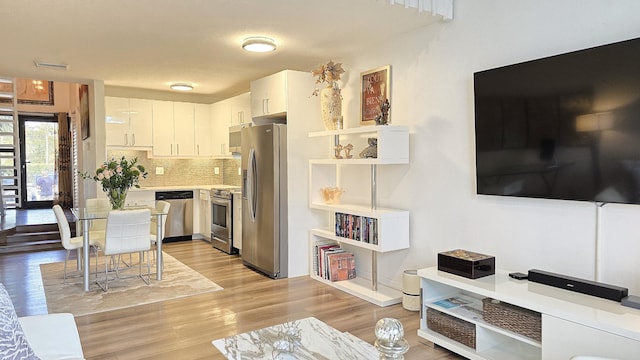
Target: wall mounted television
562, 127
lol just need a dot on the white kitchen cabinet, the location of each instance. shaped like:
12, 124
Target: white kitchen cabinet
128, 122
141, 198
162, 128
173, 129
269, 95
240, 109
220, 117
204, 214
203, 130
183, 128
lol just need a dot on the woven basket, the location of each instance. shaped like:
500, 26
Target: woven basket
456, 329
514, 318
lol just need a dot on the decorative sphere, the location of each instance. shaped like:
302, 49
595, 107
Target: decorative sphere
389, 330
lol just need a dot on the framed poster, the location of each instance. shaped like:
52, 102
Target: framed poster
83, 93
375, 90
30, 91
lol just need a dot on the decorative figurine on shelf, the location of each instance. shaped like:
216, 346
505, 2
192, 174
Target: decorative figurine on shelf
337, 150
383, 117
370, 151
347, 151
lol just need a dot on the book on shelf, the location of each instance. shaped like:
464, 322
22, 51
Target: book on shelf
324, 251
342, 266
452, 302
464, 306
357, 228
332, 262
316, 253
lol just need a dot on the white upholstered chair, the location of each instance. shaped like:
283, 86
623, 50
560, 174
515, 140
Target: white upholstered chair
127, 232
73, 243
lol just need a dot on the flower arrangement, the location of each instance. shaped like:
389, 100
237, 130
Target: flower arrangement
328, 73
117, 177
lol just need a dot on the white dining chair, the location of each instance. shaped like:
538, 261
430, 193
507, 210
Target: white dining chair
163, 207
98, 205
76, 242
127, 232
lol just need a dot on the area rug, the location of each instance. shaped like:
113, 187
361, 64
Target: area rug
178, 281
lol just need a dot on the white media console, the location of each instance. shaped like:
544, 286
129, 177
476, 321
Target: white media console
572, 323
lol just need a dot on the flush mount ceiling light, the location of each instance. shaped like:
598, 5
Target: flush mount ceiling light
182, 87
51, 65
258, 44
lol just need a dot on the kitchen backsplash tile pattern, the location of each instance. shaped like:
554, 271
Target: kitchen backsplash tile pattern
180, 172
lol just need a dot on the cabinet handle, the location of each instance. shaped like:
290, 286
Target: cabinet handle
177, 149
126, 139
198, 147
266, 101
133, 139
171, 149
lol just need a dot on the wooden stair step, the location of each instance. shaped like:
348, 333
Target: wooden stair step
28, 246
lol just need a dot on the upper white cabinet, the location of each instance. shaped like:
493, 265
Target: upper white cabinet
128, 122
240, 109
173, 129
203, 130
220, 117
225, 113
269, 95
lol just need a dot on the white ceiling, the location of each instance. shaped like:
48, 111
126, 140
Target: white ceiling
148, 44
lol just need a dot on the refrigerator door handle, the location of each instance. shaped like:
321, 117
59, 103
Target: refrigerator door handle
251, 184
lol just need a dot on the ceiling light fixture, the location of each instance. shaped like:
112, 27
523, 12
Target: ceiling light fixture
50, 65
259, 44
182, 87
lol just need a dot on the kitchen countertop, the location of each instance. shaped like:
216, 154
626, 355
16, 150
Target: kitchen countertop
184, 187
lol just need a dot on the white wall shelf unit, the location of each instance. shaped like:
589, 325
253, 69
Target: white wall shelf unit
572, 323
392, 225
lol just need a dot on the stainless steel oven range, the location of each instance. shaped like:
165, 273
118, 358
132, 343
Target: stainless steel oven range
222, 220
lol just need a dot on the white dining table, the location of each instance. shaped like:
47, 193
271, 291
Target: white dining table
86, 215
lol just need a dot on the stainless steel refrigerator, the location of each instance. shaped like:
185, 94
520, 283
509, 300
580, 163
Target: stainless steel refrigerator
264, 199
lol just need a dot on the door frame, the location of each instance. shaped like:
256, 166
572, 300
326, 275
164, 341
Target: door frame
22, 118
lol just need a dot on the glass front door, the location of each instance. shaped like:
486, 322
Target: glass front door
38, 154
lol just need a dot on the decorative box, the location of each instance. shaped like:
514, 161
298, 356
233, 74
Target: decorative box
466, 263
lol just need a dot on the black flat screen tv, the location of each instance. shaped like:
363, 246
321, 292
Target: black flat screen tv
562, 127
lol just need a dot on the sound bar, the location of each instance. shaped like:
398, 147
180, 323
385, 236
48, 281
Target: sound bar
593, 288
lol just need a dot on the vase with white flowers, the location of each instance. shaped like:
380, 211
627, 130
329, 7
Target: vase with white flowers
331, 95
117, 177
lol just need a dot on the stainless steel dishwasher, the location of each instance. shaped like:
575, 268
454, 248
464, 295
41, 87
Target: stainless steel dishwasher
179, 224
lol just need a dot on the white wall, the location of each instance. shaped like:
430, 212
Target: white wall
432, 74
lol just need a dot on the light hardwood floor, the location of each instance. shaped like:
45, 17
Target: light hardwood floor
184, 328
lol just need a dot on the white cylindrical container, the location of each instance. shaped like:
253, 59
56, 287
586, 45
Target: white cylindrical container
411, 290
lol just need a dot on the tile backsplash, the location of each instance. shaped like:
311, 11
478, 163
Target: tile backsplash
179, 172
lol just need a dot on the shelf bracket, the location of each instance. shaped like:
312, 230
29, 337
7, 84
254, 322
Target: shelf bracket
374, 188
374, 271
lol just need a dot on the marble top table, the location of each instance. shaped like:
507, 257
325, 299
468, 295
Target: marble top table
306, 339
